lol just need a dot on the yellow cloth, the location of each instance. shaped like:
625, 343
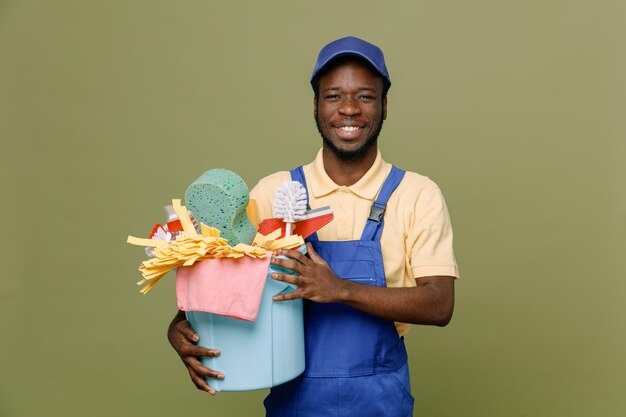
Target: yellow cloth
417, 238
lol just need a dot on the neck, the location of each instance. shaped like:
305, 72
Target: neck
347, 172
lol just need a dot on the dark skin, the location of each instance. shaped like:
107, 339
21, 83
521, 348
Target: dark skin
430, 302
183, 339
350, 97
349, 110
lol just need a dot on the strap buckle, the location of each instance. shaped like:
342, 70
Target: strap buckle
377, 212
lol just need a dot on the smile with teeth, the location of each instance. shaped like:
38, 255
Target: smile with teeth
348, 131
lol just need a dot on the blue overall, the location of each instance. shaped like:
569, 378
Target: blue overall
356, 364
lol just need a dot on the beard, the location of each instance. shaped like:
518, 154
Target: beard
354, 155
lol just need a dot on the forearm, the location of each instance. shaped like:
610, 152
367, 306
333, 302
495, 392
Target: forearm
431, 302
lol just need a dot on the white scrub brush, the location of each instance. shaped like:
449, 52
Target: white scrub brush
290, 203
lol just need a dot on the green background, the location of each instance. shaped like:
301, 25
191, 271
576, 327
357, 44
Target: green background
515, 108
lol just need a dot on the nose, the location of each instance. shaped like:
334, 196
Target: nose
349, 107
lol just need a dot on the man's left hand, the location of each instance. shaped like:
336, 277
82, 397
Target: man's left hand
315, 280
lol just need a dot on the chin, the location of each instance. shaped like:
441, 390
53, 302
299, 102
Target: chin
354, 154
350, 154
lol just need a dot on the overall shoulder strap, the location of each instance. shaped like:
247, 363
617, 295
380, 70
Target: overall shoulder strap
375, 223
297, 174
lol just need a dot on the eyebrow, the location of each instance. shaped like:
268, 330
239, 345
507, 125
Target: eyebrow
363, 88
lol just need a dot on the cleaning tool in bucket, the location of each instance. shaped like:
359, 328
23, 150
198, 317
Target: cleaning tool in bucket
262, 341
219, 198
259, 354
224, 285
265, 347
312, 222
290, 203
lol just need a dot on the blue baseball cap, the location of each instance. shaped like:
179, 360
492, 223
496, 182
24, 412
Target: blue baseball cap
352, 46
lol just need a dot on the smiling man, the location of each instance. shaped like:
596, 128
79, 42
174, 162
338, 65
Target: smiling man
385, 262
349, 132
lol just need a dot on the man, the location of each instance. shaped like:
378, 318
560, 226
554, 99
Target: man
386, 260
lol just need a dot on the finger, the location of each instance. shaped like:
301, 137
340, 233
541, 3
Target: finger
294, 295
313, 255
294, 254
200, 382
181, 337
196, 365
288, 278
184, 328
199, 351
288, 264
191, 336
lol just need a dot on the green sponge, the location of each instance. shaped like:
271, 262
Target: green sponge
218, 198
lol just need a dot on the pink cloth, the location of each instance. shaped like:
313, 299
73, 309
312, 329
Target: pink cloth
226, 286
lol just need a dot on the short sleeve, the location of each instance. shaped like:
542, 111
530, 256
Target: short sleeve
264, 205
429, 238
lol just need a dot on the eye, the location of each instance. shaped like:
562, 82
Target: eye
332, 97
366, 97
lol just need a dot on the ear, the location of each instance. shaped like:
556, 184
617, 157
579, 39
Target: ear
315, 107
385, 108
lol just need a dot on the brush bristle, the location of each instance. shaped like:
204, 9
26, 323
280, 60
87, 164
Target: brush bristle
290, 202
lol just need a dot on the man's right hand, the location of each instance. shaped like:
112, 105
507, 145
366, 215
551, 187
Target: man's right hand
183, 339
